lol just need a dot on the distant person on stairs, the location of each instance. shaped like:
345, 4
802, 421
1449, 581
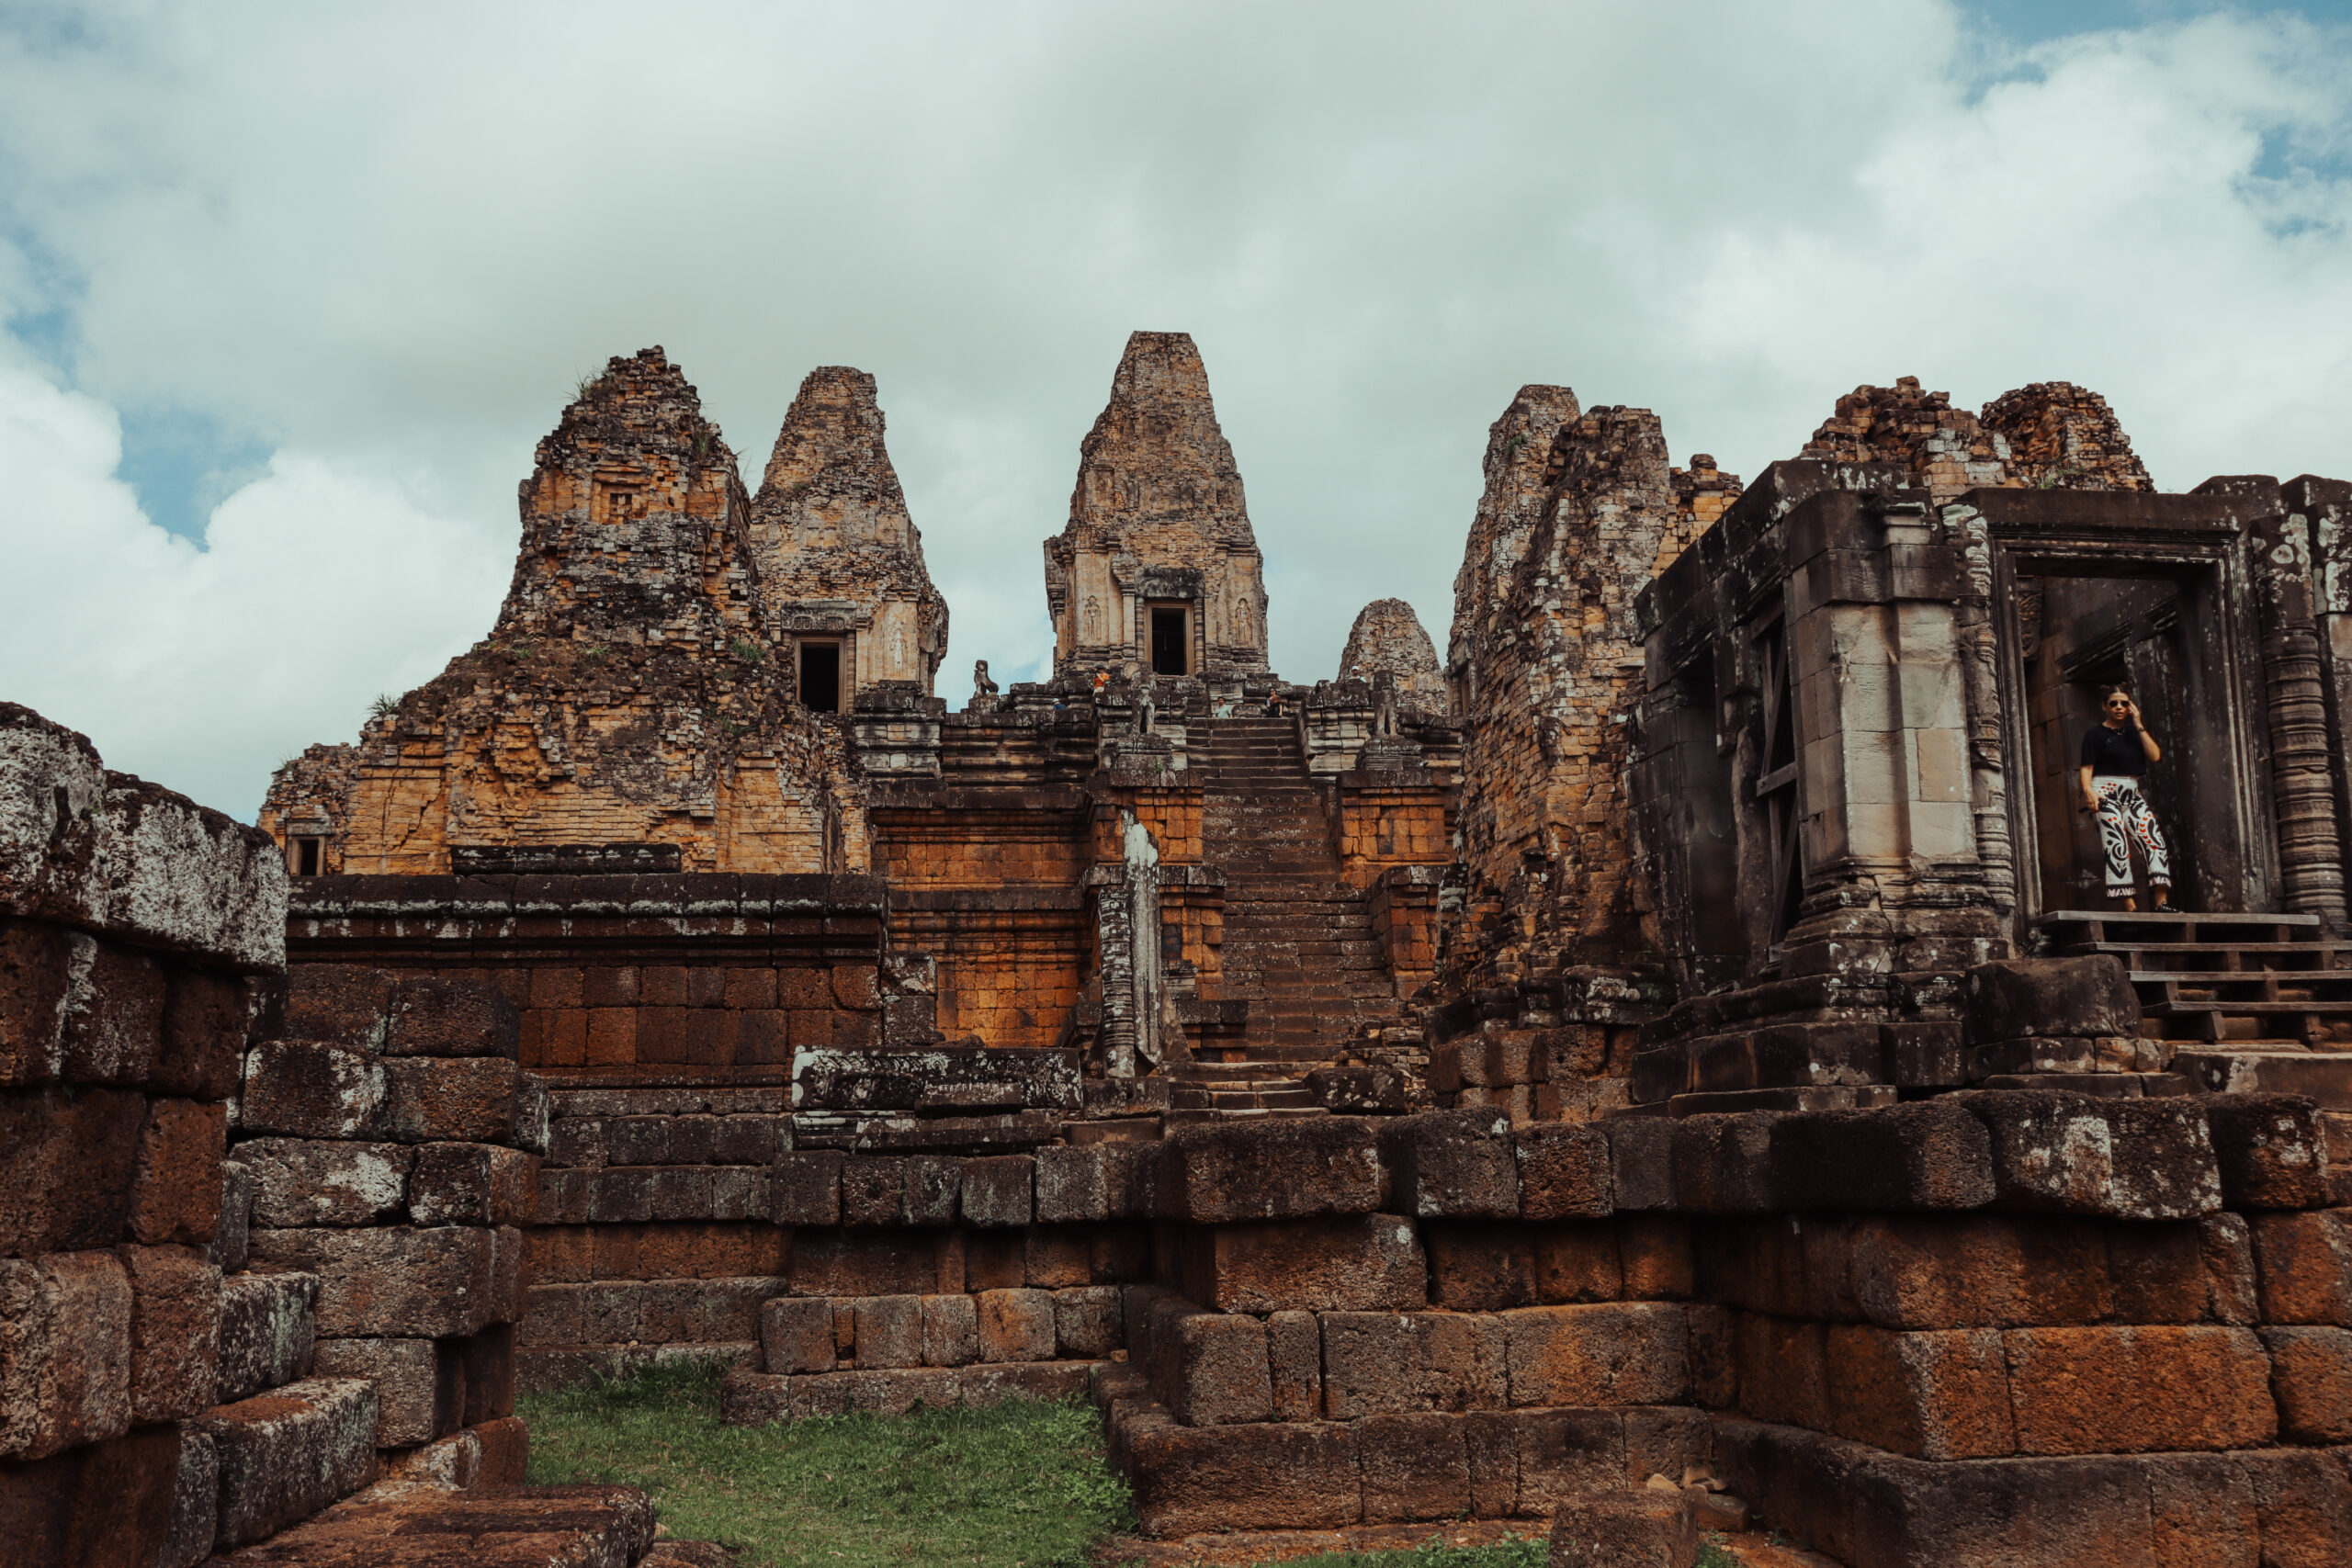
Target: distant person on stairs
2115, 754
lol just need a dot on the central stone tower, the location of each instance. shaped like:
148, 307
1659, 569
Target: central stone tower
1158, 569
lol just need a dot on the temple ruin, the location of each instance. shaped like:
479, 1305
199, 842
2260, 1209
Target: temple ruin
1682, 1036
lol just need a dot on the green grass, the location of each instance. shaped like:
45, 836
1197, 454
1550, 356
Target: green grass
1015, 1485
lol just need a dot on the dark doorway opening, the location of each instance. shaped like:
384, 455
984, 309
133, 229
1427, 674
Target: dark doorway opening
1169, 643
820, 677
306, 857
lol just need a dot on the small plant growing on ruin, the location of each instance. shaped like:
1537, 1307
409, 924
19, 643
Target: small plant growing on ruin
748, 652
384, 705
585, 387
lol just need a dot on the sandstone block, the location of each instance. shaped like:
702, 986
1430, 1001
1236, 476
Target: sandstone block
2303, 1265
807, 1185
286, 1454
2271, 1150
1630, 1528
2310, 1377
890, 1331
1356, 1263
1358, 1091
1267, 1475
2226, 1245
1625, 1353
65, 1352
872, 1189
1072, 1183
112, 1021
35, 972
1016, 1326
480, 1100
1477, 1266
267, 1328
302, 1182
175, 1331
68, 1161
473, 1184
231, 1237
796, 1335
1294, 1362
950, 1331
1086, 1322
2081, 996
997, 1190
1563, 1171
872, 1263
1933, 1154
2083, 1391
402, 1282
1714, 1368
205, 1019
933, 1185
1398, 1363
297, 1088
1574, 1261
1938, 1395
754, 1399
1456, 1164
196, 1502
1056, 1257
2125, 1160
1654, 1256
342, 1004
428, 1017
2303, 1504
176, 1189
1975, 1271
1530, 1463
1222, 1173
107, 1505
1413, 1467
420, 1389
1641, 1162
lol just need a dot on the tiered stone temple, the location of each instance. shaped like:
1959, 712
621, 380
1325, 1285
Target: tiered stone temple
1419, 1077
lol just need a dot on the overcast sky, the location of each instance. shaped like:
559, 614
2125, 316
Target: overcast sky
290, 291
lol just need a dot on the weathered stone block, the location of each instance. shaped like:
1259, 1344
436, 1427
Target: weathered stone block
1624, 1353
796, 1335
428, 1017
473, 1184
2310, 1377
106, 1504
1072, 1183
298, 1089
1396, 1363
1929, 1156
950, 1331
1641, 1162
176, 1189
286, 1454
2271, 1150
1478, 1265
1268, 1475
65, 1352
806, 1188
1295, 1360
2081, 996
1016, 1326
2085, 1390
997, 1190
888, 1330
231, 1237
268, 1327
205, 1019
480, 1100
1221, 1173
1413, 1467
1973, 1271
420, 1389
486, 1363
403, 1282
2303, 1265
1941, 1395
175, 1331
196, 1502
1456, 1164
310, 1181
1629, 1528
68, 1160
1563, 1171
930, 1194
2126, 1159
873, 1190
1357, 1263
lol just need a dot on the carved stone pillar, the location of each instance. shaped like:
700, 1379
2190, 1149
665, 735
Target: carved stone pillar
2311, 843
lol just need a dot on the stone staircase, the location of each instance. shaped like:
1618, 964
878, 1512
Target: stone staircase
2255, 1003
1298, 943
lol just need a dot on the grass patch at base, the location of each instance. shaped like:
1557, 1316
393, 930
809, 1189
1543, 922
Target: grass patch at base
1017, 1485
1525, 1554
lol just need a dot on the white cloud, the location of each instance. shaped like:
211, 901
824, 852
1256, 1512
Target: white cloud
386, 240
315, 589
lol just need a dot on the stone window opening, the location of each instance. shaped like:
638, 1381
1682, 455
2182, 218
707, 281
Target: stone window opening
1172, 641
1776, 778
820, 676
307, 855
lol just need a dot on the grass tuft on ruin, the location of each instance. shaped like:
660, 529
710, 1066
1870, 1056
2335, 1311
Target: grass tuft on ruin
1022, 1485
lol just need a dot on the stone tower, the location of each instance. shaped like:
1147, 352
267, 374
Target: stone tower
628, 710
1388, 638
1158, 568
840, 564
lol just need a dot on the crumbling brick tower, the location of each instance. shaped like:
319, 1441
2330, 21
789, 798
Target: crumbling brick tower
631, 694
841, 565
1388, 641
1581, 511
1158, 569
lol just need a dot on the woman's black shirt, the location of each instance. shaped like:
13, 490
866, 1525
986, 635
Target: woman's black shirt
2108, 751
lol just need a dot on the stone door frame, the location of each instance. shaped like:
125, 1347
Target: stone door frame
2209, 566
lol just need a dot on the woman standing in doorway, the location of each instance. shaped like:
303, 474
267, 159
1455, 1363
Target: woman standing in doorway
2115, 754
